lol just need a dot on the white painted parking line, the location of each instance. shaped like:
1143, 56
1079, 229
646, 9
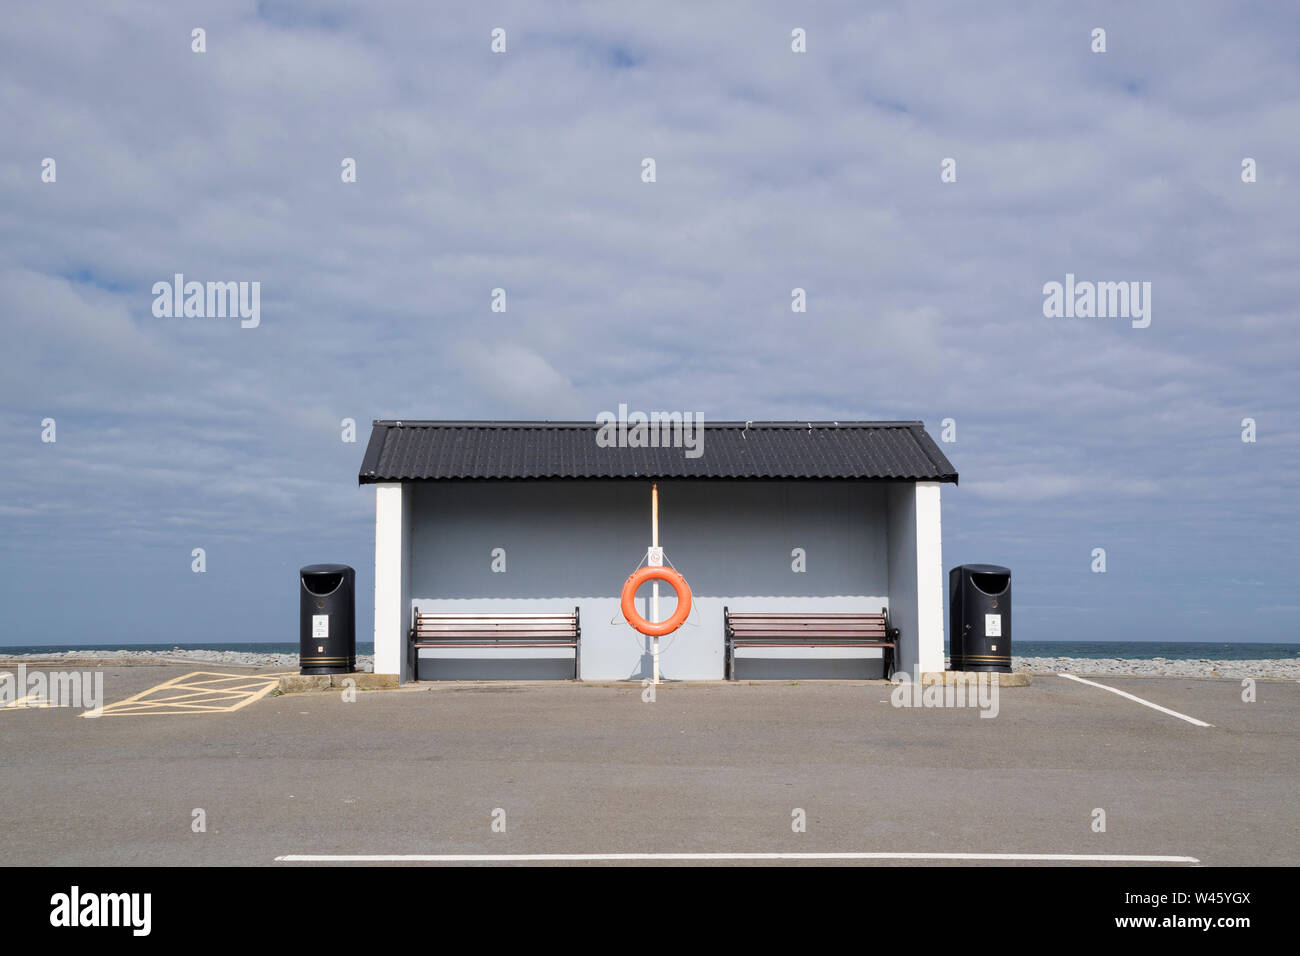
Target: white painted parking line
651, 857
1147, 703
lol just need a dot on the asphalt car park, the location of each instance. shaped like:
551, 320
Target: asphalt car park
565, 772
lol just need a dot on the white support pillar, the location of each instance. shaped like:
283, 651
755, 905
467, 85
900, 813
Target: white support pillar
392, 578
916, 576
929, 578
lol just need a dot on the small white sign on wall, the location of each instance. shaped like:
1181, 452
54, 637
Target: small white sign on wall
655, 557
320, 625
992, 625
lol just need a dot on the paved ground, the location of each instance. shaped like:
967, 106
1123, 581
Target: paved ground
706, 768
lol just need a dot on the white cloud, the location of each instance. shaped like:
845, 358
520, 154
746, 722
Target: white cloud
776, 170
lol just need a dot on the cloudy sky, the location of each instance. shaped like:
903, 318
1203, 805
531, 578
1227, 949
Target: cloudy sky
775, 170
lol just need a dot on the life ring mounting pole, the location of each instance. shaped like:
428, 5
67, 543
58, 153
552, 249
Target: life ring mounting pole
654, 543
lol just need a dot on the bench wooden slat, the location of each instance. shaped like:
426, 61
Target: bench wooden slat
810, 621
471, 638
813, 644
502, 644
823, 638
498, 622
814, 618
811, 629
489, 628
538, 622
548, 629
471, 615
806, 617
845, 629
427, 621
813, 635
808, 625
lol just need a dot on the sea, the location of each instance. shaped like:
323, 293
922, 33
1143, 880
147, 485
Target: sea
1133, 650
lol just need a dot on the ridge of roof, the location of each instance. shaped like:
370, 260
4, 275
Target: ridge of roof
436, 423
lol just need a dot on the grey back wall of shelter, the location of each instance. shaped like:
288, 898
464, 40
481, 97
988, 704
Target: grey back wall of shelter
573, 542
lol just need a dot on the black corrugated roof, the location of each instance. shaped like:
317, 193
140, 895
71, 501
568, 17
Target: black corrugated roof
445, 451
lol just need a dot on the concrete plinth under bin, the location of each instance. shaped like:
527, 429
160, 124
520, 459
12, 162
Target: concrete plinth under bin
307, 683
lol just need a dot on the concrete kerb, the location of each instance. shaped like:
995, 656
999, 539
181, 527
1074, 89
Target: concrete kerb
311, 683
1017, 679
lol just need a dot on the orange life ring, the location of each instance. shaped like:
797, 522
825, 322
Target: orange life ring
675, 581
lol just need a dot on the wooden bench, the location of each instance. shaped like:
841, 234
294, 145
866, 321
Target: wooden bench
810, 630
438, 630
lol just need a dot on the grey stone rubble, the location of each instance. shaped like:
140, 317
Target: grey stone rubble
365, 662
1284, 669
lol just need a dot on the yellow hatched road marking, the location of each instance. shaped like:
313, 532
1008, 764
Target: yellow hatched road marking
198, 695
145, 707
222, 680
213, 694
31, 700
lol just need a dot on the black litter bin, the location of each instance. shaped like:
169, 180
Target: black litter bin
979, 618
327, 635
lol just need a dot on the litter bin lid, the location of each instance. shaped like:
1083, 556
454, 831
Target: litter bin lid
985, 568
325, 569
